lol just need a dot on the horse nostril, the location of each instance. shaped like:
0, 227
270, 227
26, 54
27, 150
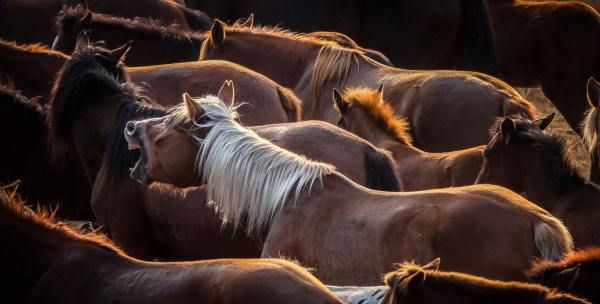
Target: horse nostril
130, 128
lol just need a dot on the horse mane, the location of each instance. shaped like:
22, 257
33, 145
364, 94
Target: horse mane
558, 161
34, 48
12, 205
588, 256
172, 34
401, 283
248, 178
590, 128
381, 112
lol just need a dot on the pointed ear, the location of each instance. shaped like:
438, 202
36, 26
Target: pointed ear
120, 52
507, 128
542, 123
85, 21
433, 265
249, 22
593, 92
194, 110
567, 278
380, 92
227, 92
217, 33
83, 40
339, 103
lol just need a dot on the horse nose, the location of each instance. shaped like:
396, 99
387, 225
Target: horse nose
130, 128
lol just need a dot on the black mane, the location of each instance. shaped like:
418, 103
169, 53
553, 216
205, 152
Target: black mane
172, 34
20, 105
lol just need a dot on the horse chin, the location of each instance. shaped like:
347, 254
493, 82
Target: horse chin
138, 174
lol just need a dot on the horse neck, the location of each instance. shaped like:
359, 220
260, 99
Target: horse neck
382, 139
329, 190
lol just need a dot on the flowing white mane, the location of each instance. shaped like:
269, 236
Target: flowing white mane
248, 178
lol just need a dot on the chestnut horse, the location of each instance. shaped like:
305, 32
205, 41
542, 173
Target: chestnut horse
576, 273
159, 221
525, 159
364, 112
447, 110
591, 128
25, 156
534, 47
153, 43
44, 261
349, 234
411, 283
27, 21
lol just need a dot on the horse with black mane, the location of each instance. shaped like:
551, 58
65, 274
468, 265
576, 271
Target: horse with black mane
25, 157
44, 261
90, 107
308, 211
527, 160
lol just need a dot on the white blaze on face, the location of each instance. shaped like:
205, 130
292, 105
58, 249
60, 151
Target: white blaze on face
55, 41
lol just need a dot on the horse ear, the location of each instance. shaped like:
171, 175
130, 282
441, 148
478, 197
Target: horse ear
380, 92
249, 22
227, 92
508, 127
542, 123
83, 40
339, 103
122, 51
566, 278
593, 92
194, 110
217, 33
433, 265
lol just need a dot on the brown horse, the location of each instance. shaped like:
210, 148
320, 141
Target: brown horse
591, 128
525, 159
576, 273
44, 261
153, 42
308, 211
364, 112
447, 110
28, 21
412, 283
158, 221
534, 47
25, 156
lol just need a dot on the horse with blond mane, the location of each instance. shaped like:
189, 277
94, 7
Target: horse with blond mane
447, 110
349, 234
364, 112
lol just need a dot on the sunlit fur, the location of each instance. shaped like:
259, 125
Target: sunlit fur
590, 127
380, 111
403, 287
248, 178
588, 256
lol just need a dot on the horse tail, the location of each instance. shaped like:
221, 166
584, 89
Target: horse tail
291, 103
196, 20
475, 38
590, 128
552, 239
380, 171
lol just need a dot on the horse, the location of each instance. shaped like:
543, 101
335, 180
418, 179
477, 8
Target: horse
364, 112
154, 43
411, 283
307, 211
416, 34
347, 42
25, 157
533, 47
160, 221
447, 110
591, 128
527, 160
576, 273
33, 21
16, 59
45, 261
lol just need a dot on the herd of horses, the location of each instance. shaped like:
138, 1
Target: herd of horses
306, 168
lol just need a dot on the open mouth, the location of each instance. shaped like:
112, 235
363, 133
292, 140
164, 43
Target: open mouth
137, 171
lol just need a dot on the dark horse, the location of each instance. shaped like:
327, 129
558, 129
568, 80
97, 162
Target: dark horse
44, 261
25, 157
577, 273
153, 42
527, 160
89, 109
418, 34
